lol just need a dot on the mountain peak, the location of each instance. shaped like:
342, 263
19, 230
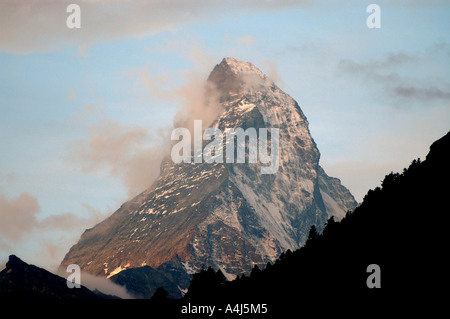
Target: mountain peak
235, 76
240, 67
231, 60
15, 262
225, 215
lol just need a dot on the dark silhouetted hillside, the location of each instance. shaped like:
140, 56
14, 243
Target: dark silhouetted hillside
21, 281
399, 226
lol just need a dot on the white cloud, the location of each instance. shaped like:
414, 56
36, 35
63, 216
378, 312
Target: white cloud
126, 152
29, 26
18, 216
43, 240
104, 285
247, 39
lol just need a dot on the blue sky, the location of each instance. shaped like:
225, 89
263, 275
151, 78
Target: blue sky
84, 110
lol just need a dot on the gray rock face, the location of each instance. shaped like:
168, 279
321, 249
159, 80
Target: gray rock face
225, 215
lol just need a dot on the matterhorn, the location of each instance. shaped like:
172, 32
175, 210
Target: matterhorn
226, 215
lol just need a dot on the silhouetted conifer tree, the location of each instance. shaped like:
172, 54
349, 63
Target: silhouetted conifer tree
160, 294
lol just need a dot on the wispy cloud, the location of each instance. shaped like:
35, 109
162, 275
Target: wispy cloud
196, 99
133, 153
394, 75
389, 61
272, 72
29, 26
104, 285
127, 152
18, 216
247, 39
425, 94
22, 222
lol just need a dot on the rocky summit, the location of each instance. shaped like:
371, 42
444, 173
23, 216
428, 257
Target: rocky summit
225, 215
